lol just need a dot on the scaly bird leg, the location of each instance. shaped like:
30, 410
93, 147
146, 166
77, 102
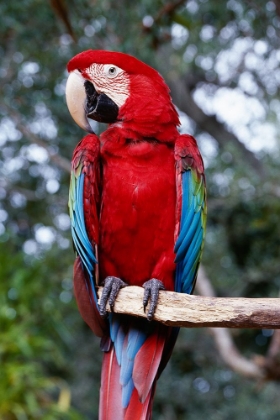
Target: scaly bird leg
151, 292
112, 286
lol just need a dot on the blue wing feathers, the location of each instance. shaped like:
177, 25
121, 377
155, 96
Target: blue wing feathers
117, 335
192, 250
135, 340
189, 244
126, 367
187, 202
82, 252
187, 234
192, 253
189, 269
114, 327
81, 241
81, 219
79, 212
119, 344
126, 392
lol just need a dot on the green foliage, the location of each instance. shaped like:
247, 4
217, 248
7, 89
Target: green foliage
34, 339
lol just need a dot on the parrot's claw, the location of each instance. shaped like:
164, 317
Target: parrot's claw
151, 292
112, 286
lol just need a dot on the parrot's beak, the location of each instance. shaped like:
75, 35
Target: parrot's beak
76, 100
99, 106
84, 102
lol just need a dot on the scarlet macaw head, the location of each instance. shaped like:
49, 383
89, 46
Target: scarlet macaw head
115, 87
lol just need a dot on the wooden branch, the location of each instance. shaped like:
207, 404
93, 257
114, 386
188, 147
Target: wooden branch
181, 310
60, 8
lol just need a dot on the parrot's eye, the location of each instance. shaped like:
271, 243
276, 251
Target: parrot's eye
111, 71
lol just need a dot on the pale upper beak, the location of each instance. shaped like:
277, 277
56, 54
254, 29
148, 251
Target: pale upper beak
76, 100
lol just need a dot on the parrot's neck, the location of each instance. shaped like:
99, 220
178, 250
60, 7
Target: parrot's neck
165, 133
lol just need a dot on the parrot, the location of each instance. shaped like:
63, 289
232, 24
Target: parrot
137, 204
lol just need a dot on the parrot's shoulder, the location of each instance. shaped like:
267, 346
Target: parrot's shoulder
87, 150
187, 154
189, 166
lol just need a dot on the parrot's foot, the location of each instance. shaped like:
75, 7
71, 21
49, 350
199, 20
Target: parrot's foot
151, 292
112, 286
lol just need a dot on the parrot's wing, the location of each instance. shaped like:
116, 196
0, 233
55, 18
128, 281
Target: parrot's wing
191, 212
84, 198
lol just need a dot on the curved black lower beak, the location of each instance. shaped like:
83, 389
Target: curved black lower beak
99, 107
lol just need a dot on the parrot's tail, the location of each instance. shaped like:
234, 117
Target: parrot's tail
130, 368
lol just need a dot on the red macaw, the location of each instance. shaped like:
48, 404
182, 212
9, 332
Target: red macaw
138, 212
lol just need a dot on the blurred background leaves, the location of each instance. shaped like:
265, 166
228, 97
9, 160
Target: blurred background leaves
221, 60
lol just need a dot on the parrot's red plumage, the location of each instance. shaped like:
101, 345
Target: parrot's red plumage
137, 207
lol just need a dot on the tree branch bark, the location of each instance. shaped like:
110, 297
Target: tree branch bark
181, 310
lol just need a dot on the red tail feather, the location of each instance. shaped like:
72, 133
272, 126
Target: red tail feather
138, 411
147, 363
110, 404
145, 372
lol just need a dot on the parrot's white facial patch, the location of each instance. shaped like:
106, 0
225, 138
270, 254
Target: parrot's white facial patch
111, 80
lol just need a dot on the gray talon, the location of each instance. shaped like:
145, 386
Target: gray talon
151, 292
112, 286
